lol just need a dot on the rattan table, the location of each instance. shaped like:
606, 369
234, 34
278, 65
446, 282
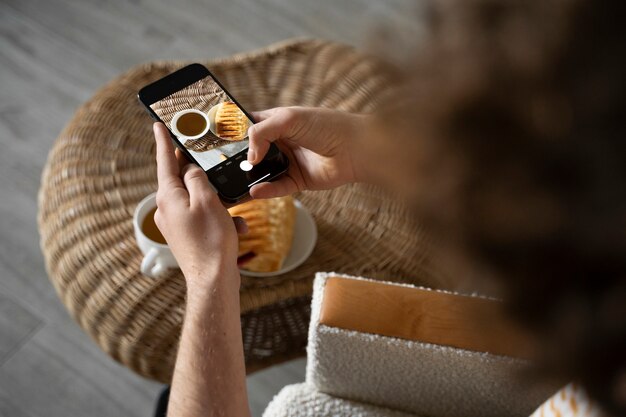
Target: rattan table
103, 164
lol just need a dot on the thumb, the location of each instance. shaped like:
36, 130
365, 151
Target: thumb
258, 144
273, 124
281, 187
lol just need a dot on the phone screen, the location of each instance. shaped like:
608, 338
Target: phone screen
206, 121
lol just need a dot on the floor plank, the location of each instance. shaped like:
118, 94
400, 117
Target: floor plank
264, 385
8, 408
51, 375
16, 326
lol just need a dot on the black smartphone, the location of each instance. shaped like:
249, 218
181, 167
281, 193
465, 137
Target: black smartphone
210, 127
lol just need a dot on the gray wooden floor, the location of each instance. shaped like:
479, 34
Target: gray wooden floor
53, 55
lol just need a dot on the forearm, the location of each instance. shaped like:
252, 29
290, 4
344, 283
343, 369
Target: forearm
209, 376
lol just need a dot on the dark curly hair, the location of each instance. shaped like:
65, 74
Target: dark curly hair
512, 122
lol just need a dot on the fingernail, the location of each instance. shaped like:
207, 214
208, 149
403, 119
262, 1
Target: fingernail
241, 225
251, 155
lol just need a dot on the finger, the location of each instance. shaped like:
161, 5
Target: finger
168, 172
281, 187
197, 184
244, 259
240, 225
182, 159
275, 124
259, 116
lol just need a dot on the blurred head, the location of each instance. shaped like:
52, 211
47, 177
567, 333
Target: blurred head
507, 132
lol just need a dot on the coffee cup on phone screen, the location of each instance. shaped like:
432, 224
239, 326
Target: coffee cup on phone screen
190, 124
158, 257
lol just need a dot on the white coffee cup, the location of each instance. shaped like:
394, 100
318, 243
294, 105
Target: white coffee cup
158, 258
181, 113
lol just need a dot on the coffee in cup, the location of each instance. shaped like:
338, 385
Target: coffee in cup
150, 229
190, 124
158, 257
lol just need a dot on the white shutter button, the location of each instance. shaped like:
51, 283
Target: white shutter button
245, 166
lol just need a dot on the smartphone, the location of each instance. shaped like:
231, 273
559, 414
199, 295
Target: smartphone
211, 128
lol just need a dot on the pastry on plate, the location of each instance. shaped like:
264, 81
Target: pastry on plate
230, 122
270, 233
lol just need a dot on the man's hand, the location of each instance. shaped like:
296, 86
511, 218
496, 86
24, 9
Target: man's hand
195, 224
320, 145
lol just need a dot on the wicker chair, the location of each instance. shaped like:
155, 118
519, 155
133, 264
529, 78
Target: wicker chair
103, 164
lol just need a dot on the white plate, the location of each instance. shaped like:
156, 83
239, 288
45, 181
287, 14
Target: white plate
304, 239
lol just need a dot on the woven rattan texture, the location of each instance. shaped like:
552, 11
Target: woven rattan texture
103, 164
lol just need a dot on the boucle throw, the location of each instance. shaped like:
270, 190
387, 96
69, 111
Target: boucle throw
303, 400
414, 377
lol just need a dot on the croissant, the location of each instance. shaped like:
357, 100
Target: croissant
270, 233
230, 122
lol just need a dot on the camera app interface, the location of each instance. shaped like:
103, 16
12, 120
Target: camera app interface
206, 121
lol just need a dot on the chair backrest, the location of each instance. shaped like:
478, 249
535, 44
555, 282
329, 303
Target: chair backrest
432, 353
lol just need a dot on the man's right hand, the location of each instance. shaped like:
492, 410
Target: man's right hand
318, 142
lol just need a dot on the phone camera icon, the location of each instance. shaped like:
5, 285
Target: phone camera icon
245, 166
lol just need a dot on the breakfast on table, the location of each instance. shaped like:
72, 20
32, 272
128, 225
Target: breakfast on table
271, 225
270, 233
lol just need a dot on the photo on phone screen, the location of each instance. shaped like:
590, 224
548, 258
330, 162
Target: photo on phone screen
206, 121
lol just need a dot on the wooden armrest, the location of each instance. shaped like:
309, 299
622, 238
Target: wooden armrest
459, 321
